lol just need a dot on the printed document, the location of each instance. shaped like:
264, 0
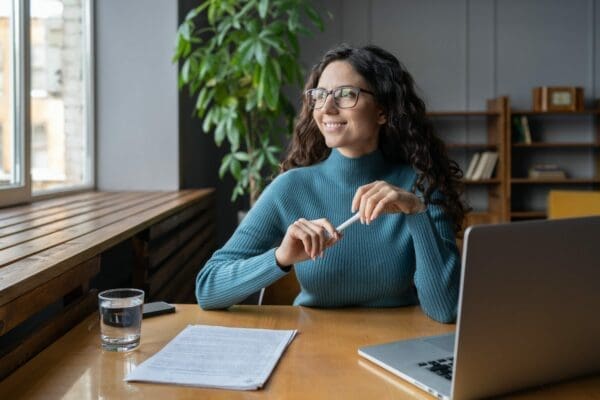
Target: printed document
216, 357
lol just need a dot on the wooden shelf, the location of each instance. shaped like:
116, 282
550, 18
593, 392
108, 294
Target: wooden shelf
462, 113
472, 146
528, 214
479, 213
546, 145
562, 113
521, 192
567, 181
489, 135
480, 181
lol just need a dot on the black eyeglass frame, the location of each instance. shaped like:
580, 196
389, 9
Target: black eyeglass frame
332, 91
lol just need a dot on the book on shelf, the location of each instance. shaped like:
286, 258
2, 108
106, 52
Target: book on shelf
521, 129
472, 165
490, 165
478, 171
517, 130
526, 130
484, 166
546, 171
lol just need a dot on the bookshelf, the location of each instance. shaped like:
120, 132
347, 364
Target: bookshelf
468, 132
569, 140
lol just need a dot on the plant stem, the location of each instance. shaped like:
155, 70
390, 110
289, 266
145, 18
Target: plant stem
248, 121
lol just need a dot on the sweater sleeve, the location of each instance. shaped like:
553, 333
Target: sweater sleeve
437, 271
247, 261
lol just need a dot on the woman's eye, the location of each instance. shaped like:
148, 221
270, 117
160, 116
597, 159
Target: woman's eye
319, 95
347, 93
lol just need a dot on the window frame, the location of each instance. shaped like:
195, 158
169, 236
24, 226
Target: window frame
21, 111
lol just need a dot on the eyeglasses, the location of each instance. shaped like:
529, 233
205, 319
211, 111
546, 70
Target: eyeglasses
343, 96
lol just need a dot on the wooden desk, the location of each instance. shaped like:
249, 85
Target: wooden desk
321, 363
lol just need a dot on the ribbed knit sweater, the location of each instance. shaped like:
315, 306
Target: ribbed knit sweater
375, 265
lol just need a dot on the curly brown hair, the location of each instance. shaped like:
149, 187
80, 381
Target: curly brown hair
407, 137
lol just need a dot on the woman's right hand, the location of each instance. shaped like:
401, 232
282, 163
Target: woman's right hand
305, 239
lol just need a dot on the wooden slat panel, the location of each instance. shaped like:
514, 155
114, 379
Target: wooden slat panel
140, 270
48, 211
188, 293
204, 238
46, 204
158, 252
21, 308
29, 248
82, 209
48, 333
25, 274
182, 281
173, 222
116, 205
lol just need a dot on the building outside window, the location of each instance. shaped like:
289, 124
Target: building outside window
56, 88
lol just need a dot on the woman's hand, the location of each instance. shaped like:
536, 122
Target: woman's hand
380, 197
305, 239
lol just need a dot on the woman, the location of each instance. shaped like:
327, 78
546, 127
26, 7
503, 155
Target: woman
362, 144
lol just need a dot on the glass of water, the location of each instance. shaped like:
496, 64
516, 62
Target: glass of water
120, 318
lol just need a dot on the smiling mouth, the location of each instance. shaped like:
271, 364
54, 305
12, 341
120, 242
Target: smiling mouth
334, 124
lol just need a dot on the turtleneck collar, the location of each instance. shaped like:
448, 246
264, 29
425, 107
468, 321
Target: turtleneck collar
362, 170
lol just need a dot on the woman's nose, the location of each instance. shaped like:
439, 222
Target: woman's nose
330, 107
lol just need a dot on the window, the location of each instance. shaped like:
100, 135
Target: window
46, 119
12, 180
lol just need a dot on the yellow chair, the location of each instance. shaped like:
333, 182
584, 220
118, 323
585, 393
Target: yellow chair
573, 203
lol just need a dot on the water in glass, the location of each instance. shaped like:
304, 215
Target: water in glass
120, 322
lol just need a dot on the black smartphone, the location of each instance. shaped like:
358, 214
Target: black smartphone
157, 308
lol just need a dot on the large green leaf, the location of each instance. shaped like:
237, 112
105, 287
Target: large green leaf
185, 71
263, 7
272, 84
260, 53
220, 131
235, 167
225, 165
185, 31
241, 156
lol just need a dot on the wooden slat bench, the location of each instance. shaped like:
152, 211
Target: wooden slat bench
51, 251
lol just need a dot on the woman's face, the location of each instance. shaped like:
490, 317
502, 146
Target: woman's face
353, 131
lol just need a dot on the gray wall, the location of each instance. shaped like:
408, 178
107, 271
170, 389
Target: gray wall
463, 52
137, 116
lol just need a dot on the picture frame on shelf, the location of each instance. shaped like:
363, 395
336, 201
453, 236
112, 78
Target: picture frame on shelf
557, 98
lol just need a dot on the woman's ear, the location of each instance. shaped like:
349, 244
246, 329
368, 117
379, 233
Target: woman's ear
381, 117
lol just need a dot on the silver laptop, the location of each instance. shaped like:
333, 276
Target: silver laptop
528, 313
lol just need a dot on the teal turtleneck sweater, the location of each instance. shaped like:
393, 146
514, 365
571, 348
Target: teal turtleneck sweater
375, 265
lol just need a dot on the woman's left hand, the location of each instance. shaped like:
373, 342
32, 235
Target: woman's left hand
380, 197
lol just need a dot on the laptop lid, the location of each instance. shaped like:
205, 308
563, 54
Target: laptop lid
528, 307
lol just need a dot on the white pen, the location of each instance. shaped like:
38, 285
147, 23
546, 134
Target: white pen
348, 222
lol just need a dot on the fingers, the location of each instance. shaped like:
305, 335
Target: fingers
382, 205
313, 238
315, 235
368, 197
356, 200
380, 197
331, 233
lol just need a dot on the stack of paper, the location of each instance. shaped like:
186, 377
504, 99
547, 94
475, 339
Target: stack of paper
216, 357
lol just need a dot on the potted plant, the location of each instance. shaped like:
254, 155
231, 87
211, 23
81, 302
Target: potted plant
236, 61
